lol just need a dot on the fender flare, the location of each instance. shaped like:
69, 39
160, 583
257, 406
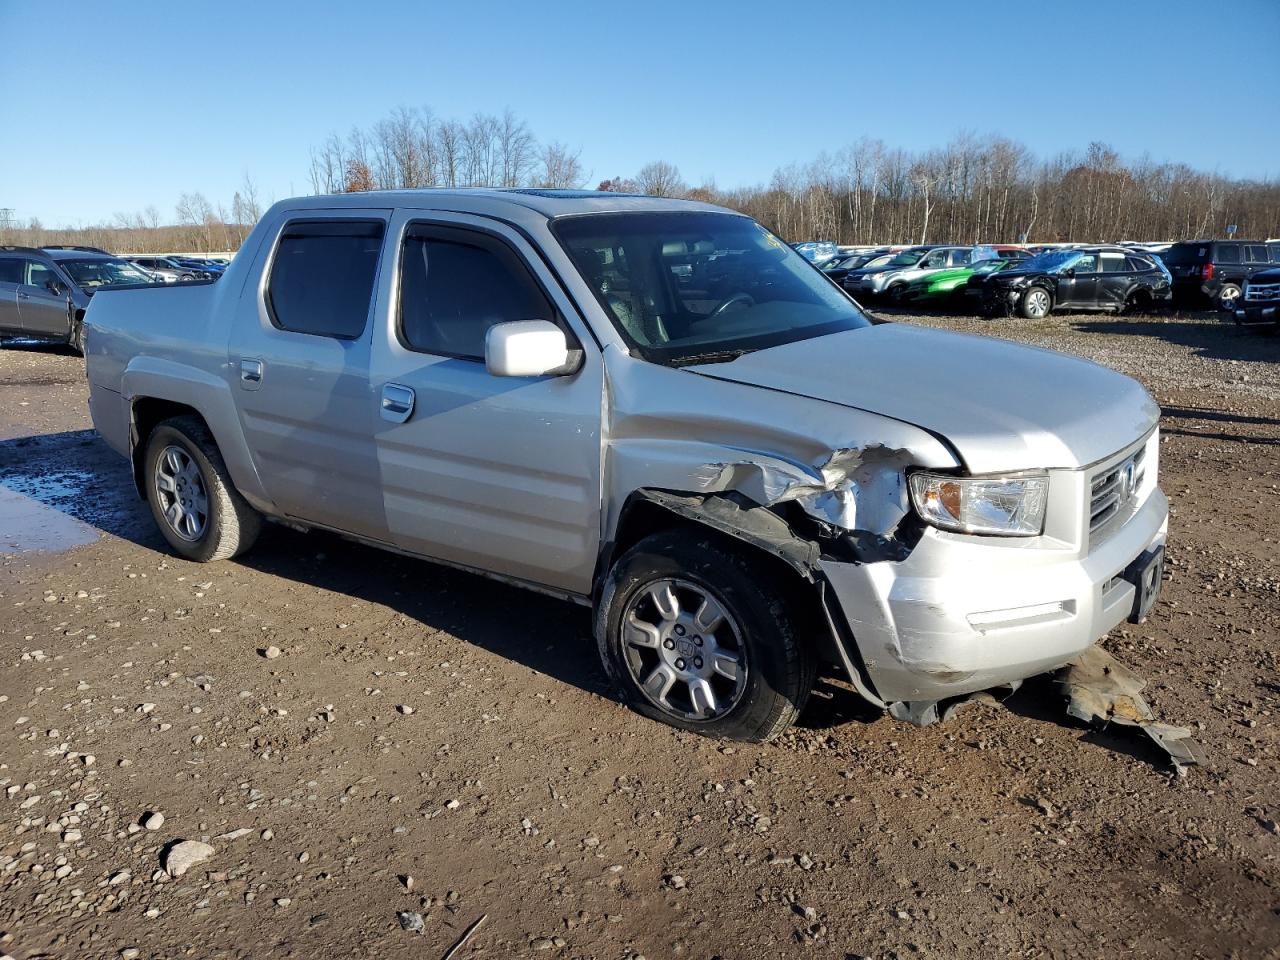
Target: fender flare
148, 377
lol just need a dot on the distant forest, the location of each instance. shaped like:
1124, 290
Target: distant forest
973, 189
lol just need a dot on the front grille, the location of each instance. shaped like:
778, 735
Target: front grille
1255, 292
1113, 489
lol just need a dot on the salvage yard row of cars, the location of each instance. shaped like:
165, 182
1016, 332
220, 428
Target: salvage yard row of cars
44, 291
1032, 281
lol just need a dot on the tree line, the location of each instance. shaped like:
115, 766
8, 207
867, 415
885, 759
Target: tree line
974, 189
197, 225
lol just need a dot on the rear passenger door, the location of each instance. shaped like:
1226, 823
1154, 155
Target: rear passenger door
299, 363
10, 279
497, 473
1115, 280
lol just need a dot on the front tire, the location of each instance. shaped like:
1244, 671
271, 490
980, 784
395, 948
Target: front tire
1035, 304
191, 496
75, 339
696, 635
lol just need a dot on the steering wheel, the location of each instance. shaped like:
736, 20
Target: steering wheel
727, 302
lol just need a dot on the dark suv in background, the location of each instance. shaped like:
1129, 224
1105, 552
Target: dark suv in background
1216, 269
44, 290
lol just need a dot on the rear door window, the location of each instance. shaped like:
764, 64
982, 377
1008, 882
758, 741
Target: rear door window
323, 275
1113, 264
1227, 253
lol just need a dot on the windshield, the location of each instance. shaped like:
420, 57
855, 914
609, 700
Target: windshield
103, 272
907, 258
1049, 261
694, 287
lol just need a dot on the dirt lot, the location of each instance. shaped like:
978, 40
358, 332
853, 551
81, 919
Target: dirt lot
421, 723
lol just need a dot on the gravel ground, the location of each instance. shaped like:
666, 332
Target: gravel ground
357, 735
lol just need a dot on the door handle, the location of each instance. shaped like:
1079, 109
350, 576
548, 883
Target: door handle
250, 374
24, 296
397, 402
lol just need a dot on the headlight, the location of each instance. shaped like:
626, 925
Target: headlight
999, 506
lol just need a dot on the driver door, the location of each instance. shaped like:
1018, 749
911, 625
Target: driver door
497, 473
42, 312
1080, 287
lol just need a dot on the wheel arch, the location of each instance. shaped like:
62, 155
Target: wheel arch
788, 558
157, 388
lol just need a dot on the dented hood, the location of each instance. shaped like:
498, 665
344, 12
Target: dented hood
1001, 405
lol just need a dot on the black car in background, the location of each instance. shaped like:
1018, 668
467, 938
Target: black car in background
840, 267
1217, 269
1087, 278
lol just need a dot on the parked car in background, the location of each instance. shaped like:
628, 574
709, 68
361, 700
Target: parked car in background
837, 268
855, 280
817, 252
729, 473
891, 281
1259, 303
1093, 278
44, 291
200, 263
172, 269
1216, 270
948, 286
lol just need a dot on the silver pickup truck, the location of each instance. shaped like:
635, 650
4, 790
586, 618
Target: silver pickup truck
655, 408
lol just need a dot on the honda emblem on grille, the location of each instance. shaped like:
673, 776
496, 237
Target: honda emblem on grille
1126, 481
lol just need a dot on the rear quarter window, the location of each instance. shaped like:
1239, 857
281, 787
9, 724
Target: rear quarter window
322, 277
1227, 253
1181, 254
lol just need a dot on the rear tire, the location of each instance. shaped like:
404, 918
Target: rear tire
191, 496
1228, 297
758, 672
1035, 303
1138, 302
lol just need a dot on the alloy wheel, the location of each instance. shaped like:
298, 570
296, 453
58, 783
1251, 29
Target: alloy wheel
181, 493
1037, 303
684, 650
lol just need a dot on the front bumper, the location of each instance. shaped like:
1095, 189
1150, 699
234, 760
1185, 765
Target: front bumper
1262, 314
965, 613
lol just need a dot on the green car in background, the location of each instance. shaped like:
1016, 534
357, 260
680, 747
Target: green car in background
948, 285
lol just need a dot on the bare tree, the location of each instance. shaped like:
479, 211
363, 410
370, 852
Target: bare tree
660, 179
561, 167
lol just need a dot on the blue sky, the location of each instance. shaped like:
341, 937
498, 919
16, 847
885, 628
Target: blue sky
129, 104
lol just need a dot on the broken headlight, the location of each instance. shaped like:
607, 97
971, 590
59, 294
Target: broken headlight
998, 506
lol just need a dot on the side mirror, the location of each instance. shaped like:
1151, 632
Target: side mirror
1069, 272
55, 287
529, 348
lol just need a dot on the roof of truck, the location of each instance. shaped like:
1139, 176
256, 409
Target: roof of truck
483, 200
